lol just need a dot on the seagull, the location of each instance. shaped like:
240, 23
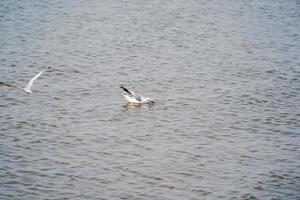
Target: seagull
26, 89
133, 98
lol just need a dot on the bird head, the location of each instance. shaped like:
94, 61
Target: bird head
148, 100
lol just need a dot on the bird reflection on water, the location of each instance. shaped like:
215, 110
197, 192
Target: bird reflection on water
132, 106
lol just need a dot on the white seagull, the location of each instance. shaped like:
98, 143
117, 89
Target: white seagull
26, 89
133, 98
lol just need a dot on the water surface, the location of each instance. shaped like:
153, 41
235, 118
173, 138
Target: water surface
225, 77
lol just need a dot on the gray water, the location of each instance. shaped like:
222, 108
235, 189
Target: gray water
225, 76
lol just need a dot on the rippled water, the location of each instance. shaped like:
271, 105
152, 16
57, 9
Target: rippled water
225, 76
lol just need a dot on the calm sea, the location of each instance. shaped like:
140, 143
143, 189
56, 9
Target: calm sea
225, 76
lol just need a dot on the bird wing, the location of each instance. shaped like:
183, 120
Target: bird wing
132, 95
128, 92
30, 83
139, 98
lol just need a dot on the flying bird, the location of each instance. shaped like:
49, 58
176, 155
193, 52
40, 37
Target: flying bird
26, 89
133, 98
